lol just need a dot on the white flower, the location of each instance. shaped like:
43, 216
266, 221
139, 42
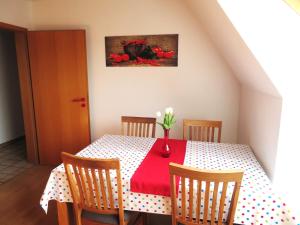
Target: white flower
169, 110
158, 114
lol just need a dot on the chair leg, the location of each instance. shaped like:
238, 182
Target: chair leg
173, 220
77, 213
63, 214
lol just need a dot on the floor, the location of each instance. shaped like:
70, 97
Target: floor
13, 160
20, 198
22, 185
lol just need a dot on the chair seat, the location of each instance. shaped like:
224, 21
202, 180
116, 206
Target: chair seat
109, 219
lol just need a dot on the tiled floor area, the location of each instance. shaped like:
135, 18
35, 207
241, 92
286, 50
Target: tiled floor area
12, 160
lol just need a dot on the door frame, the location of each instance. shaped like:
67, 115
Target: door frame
20, 34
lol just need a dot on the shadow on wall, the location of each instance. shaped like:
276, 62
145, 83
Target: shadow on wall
259, 126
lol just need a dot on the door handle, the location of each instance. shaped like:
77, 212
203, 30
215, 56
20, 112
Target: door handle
78, 100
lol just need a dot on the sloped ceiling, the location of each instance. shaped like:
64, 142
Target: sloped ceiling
295, 4
231, 46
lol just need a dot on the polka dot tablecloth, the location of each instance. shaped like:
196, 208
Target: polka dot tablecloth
257, 204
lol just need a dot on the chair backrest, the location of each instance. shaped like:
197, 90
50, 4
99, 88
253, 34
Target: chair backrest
202, 130
91, 184
138, 126
193, 181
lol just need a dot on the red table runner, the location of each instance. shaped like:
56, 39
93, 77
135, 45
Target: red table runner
152, 176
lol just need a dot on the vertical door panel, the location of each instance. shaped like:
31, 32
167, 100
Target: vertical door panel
26, 96
59, 81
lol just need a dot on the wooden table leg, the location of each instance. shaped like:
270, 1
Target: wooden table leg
145, 218
63, 213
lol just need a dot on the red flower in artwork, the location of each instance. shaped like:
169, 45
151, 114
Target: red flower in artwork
125, 57
118, 58
169, 54
160, 54
156, 49
151, 62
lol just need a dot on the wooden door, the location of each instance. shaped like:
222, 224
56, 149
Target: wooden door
60, 92
26, 96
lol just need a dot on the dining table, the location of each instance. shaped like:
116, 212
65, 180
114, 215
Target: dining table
258, 202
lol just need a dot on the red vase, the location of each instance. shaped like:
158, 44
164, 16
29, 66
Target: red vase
166, 151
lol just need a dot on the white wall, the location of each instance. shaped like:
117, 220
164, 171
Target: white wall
15, 12
11, 121
201, 86
260, 101
259, 125
260, 42
273, 36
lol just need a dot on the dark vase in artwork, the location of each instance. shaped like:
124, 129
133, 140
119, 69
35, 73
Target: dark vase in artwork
138, 48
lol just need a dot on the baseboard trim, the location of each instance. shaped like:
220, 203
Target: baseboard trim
11, 141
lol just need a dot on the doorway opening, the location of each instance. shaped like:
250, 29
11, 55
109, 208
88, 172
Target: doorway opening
12, 135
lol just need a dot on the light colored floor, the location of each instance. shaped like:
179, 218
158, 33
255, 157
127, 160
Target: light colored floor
13, 160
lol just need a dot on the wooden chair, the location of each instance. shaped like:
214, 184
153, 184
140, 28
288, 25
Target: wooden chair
91, 189
196, 178
202, 130
138, 126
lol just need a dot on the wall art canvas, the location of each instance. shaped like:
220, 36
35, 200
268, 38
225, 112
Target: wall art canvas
142, 50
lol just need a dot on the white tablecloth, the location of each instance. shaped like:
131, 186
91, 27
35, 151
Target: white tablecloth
257, 204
